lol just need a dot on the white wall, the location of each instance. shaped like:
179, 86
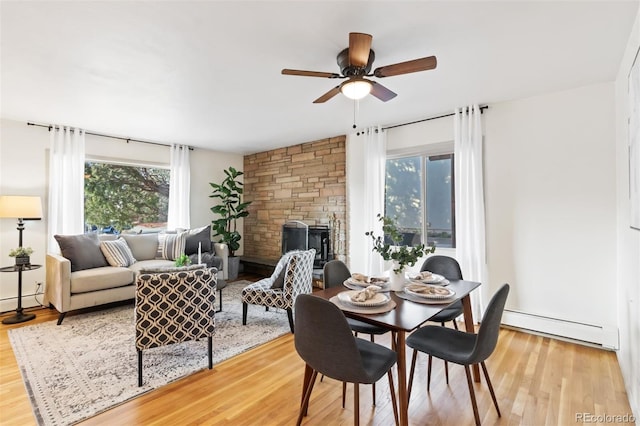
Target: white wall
628, 248
24, 171
550, 201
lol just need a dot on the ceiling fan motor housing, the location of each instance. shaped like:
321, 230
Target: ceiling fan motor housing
352, 71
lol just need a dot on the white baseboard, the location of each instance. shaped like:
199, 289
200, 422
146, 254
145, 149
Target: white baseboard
28, 301
603, 335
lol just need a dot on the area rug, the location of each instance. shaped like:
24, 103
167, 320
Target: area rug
89, 363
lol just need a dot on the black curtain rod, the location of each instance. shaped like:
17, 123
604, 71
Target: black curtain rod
430, 118
49, 126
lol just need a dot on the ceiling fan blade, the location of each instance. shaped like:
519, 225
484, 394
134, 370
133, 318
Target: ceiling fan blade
330, 94
359, 47
310, 73
381, 92
416, 65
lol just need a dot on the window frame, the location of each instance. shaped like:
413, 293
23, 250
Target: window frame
441, 149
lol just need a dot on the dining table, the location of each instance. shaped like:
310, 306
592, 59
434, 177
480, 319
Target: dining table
407, 316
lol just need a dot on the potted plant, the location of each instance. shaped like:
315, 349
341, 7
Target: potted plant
22, 255
183, 260
230, 209
401, 255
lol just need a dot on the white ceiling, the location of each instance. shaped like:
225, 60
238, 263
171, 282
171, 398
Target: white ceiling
207, 73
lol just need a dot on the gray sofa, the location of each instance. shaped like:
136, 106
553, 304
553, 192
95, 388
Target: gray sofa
82, 276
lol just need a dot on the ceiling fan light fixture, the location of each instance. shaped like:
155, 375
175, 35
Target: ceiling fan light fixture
356, 89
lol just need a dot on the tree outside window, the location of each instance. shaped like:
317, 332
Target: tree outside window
122, 197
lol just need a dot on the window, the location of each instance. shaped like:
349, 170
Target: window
419, 194
120, 197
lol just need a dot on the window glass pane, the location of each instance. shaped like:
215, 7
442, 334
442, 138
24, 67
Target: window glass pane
439, 204
403, 195
119, 197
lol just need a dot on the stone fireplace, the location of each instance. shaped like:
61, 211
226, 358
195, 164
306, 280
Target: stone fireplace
305, 183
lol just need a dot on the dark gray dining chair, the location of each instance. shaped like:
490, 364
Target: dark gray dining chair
335, 272
464, 348
449, 268
324, 341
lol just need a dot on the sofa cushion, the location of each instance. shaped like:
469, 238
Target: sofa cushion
199, 237
150, 264
83, 251
171, 246
160, 269
143, 246
117, 252
100, 279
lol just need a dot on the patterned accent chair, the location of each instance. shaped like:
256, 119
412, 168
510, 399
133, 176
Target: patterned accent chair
174, 307
298, 275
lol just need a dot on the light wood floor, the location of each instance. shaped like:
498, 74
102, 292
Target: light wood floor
538, 381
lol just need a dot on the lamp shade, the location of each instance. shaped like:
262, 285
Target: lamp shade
356, 89
20, 207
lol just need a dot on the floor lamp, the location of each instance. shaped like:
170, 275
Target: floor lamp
21, 208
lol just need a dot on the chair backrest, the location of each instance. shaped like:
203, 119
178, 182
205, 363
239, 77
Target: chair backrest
334, 273
446, 266
490, 326
174, 306
324, 340
299, 273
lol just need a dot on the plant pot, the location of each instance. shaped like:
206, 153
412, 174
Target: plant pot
397, 281
234, 266
22, 260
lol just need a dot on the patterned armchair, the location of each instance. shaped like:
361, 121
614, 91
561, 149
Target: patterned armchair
173, 307
294, 270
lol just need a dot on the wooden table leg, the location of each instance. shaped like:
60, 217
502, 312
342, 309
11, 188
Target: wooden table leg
468, 325
403, 403
308, 372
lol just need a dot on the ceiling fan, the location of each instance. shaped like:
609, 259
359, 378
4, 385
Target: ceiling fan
355, 64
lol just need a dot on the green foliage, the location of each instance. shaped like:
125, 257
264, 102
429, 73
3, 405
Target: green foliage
21, 252
230, 209
403, 191
403, 255
183, 260
123, 196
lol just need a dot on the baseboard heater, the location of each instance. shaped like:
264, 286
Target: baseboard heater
603, 335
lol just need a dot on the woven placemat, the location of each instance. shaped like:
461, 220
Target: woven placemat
389, 306
418, 299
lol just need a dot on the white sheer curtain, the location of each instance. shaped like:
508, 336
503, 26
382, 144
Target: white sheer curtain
469, 190
366, 158
179, 188
66, 184
375, 159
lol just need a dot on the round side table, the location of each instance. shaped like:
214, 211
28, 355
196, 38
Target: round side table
19, 316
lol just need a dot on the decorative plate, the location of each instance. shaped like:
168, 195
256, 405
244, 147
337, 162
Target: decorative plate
377, 300
429, 291
432, 279
351, 282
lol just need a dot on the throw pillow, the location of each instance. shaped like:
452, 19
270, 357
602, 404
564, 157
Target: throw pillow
198, 237
117, 253
143, 246
171, 246
83, 251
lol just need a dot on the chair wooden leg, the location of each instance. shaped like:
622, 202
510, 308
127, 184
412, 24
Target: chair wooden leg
307, 396
429, 373
493, 395
446, 371
61, 317
413, 368
392, 392
373, 385
210, 352
290, 316
139, 368
467, 370
356, 404
244, 313
344, 393
393, 341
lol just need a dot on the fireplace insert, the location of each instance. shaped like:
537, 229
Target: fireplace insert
297, 235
